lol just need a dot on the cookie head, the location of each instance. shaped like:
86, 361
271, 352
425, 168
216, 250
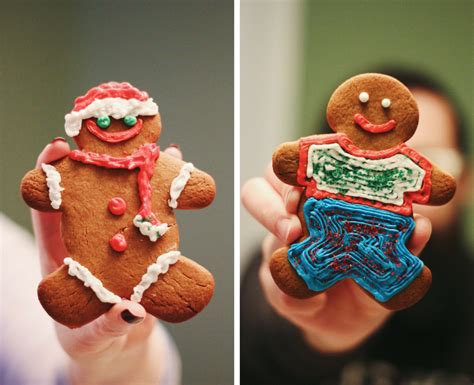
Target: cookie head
113, 118
375, 111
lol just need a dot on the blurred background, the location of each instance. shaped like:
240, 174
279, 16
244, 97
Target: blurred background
182, 54
295, 53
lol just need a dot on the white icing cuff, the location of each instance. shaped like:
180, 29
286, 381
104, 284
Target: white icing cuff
83, 273
150, 230
179, 183
53, 179
161, 266
117, 108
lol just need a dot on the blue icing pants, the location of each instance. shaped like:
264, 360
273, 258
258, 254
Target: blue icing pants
349, 240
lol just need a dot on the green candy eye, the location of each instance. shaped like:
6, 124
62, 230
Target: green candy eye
130, 121
103, 122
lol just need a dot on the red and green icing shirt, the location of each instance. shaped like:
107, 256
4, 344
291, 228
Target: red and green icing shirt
331, 166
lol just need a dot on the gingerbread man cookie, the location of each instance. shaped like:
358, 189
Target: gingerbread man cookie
117, 194
359, 186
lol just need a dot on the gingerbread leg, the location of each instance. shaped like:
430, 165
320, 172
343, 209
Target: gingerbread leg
286, 277
412, 294
181, 293
68, 301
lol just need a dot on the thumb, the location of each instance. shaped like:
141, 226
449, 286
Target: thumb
105, 333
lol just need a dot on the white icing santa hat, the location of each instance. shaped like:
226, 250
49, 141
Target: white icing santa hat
109, 99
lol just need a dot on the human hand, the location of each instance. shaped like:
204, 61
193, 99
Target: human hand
124, 338
342, 317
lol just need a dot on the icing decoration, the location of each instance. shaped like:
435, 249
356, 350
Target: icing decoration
118, 242
386, 103
117, 100
357, 176
113, 137
83, 274
144, 159
384, 180
117, 206
355, 241
179, 183
130, 120
152, 231
365, 124
53, 180
364, 97
161, 266
103, 122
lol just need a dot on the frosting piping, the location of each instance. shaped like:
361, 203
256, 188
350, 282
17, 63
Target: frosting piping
83, 274
313, 190
161, 266
384, 180
348, 240
53, 179
144, 159
179, 183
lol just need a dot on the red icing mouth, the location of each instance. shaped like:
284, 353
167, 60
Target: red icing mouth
365, 124
114, 137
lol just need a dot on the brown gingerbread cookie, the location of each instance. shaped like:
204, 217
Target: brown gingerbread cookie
117, 194
359, 186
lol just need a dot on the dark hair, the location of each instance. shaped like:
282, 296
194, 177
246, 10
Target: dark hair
416, 79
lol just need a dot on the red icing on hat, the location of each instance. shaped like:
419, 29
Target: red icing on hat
122, 90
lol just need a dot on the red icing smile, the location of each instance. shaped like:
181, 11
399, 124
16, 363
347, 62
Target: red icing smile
113, 137
365, 124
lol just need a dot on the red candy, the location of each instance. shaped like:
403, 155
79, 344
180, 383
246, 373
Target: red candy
118, 242
117, 206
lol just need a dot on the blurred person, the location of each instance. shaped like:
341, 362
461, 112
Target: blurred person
124, 346
343, 336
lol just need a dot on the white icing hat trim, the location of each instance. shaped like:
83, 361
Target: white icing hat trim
150, 230
179, 183
83, 274
53, 179
117, 108
161, 266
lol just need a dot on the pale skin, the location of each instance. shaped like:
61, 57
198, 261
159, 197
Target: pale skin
344, 316
120, 347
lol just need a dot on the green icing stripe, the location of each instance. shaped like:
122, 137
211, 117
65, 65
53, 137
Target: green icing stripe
384, 180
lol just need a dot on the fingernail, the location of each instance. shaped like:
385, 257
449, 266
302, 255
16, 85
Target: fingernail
58, 139
175, 146
127, 316
283, 228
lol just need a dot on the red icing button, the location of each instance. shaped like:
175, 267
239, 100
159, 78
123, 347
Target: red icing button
118, 242
117, 206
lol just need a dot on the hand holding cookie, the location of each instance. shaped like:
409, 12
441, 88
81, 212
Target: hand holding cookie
343, 316
125, 336
117, 194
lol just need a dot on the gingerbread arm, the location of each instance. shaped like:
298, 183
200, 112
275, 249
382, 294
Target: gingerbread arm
190, 188
41, 188
443, 187
199, 191
286, 161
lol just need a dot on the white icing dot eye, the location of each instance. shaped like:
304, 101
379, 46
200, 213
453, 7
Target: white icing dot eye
364, 97
386, 103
